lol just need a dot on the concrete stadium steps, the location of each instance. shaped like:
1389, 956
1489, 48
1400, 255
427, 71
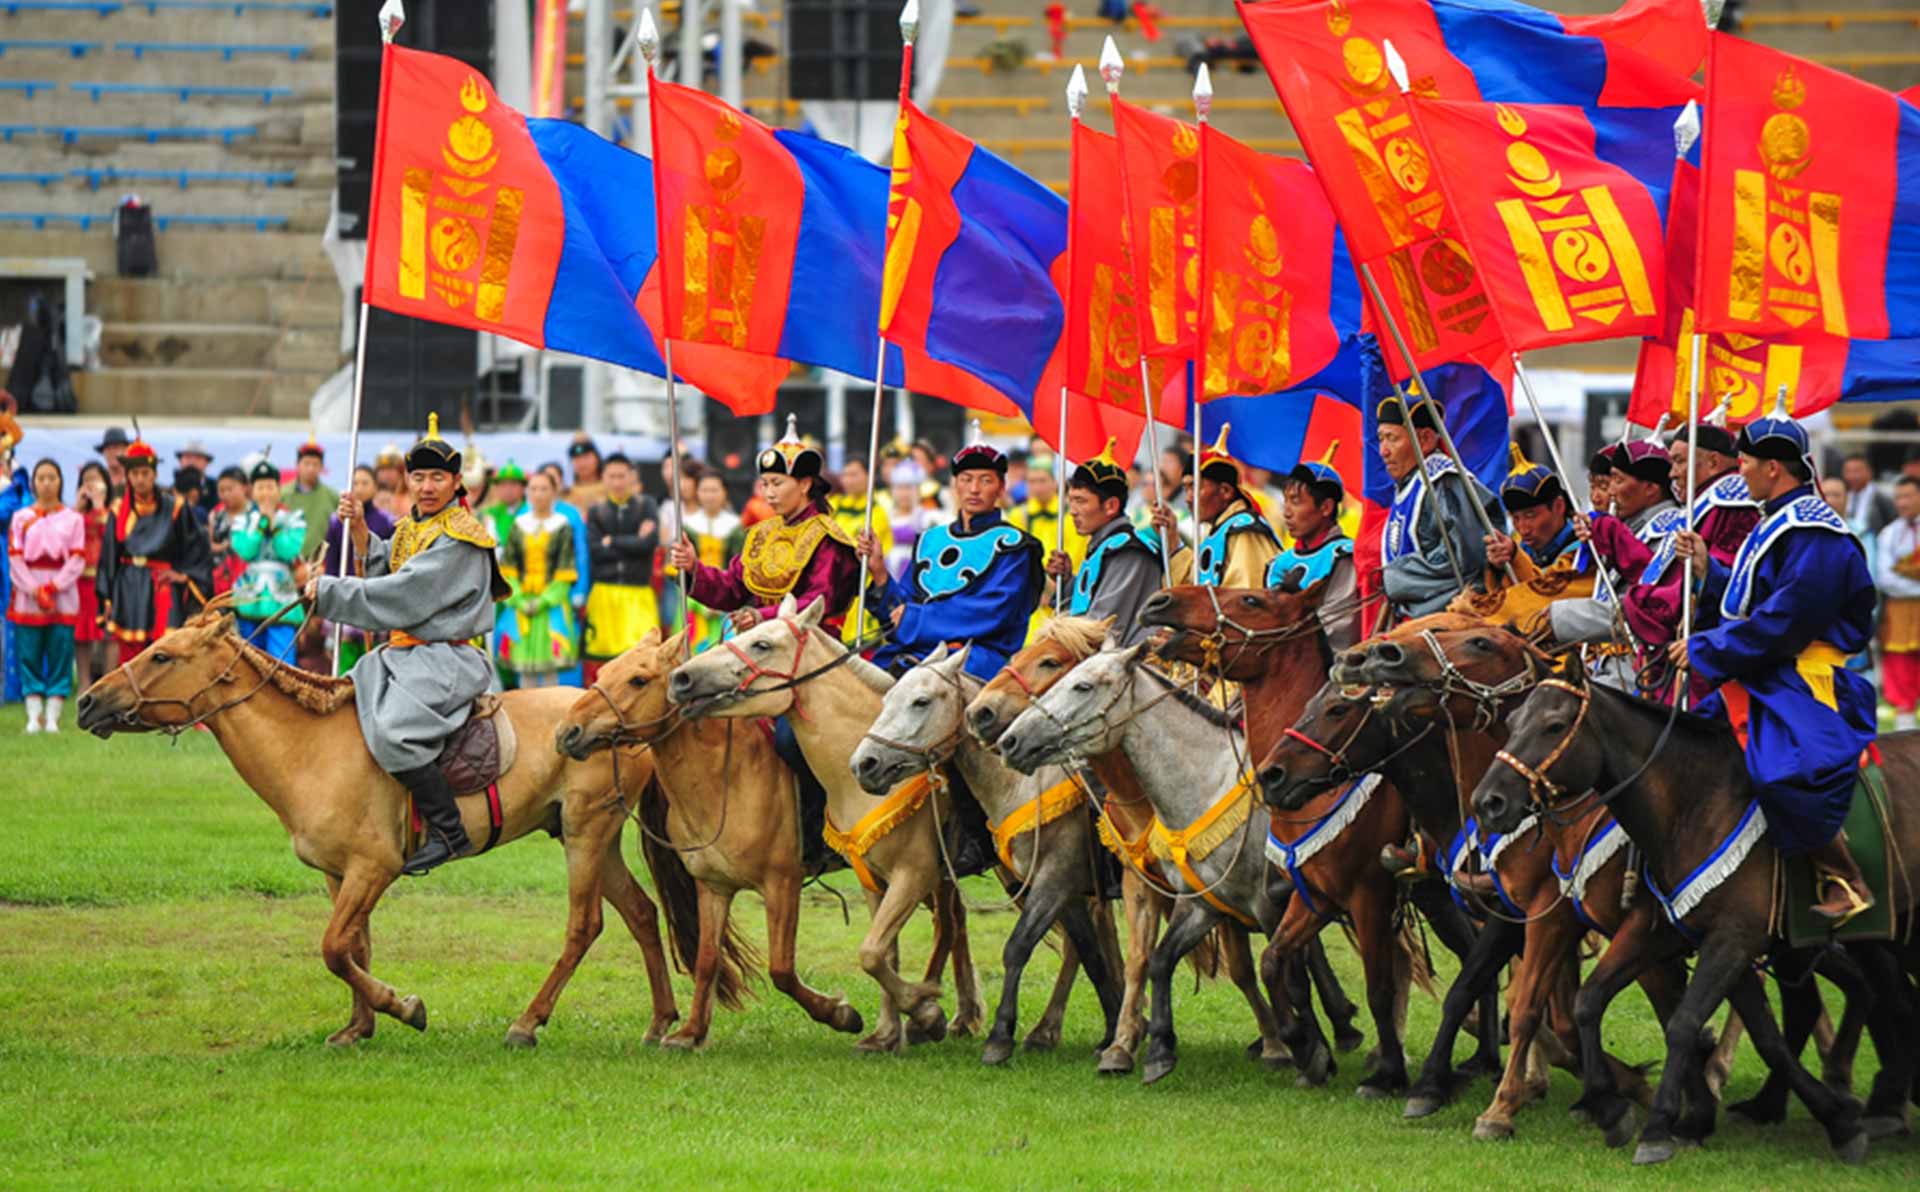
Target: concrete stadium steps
311, 74
144, 110
185, 254
187, 345
302, 211
297, 304
255, 27
198, 393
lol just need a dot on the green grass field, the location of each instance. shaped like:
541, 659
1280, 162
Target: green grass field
162, 1007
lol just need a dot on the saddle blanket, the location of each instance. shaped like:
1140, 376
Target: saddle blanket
1868, 840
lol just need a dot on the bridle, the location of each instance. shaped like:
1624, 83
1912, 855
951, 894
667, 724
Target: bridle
132, 717
1486, 697
1343, 770
631, 734
783, 680
1544, 791
931, 756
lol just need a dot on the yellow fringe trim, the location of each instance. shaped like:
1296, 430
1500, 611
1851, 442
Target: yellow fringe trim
857, 841
1135, 853
1200, 838
1048, 806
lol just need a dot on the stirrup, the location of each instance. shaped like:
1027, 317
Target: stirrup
1857, 904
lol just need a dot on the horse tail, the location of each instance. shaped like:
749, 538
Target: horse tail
1414, 948
680, 899
1207, 958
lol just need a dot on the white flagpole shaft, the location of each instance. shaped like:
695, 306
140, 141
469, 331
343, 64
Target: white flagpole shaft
678, 456
873, 455
1193, 511
353, 458
1153, 467
1693, 446
1060, 500
1559, 462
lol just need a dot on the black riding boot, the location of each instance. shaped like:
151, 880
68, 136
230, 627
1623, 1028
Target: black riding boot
969, 839
446, 835
815, 856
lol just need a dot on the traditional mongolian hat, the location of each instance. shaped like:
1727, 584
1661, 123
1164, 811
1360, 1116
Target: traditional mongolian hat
1529, 485
1320, 477
510, 473
979, 455
1713, 434
792, 456
139, 452
582, 445
264, 469
1777, 436
1426, 413
1103, 474
1215, 463
433, 453
310, 447
390, 456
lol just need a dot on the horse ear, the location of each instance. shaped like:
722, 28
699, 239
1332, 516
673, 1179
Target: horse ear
958, 661
788, 605
1317, 593
675, 646
651, 637
938, 656
1131, 654
816, 609
1106, 626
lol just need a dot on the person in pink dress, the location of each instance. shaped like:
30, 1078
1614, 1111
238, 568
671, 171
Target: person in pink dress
46, 552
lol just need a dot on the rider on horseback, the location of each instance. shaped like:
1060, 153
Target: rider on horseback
1122, 567
800, 552
1428, 550
1644, 517
1238, 542
433, 585
1796, 604
1321, 550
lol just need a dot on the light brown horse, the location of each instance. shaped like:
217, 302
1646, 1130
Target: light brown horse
729, 815
789, 666
295, 740
1061, 644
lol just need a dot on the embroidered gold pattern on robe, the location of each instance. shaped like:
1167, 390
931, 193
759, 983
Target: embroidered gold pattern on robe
776, 553
411, 537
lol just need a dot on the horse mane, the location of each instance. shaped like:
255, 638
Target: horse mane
1187, 699
1080, 636
876, 680
1707, 729
322, 695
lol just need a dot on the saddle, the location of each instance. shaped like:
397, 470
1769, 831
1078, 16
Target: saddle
481, 751
1796, 885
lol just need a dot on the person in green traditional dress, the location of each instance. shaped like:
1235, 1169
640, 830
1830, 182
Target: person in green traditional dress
268, 539
538, 565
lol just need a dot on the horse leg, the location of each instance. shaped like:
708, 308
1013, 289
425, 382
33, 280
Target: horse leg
1043, 906
1839, 1115
1641, 943
1799, 1007
1723, 960
585, 864
878, 959
619, 888
716, 904
781, 894
1340, 1010
1143, 926
346, 932
1240, 967
1188, 925
360, 1025
970, 1005
1892, 1025
1542, 957
1838, 1046
1479, 969
1720, 1063
1284, 967
1045, 1035
1458, 935
1371, 908
1083, 935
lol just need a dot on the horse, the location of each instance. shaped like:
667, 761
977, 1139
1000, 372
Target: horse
789, 666
1201, 794
1270, 642
1692, 817
1040, 825
726, 809
1059, 645
349, 819
1540, 928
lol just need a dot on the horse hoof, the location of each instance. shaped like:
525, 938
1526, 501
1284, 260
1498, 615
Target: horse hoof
1622, 1130
1492, 1130
877, 1044
681, 1041
1256, 1049
1755, 1112
521, 1039
1115, 1061
997, 1052
1648, 1153
1372, 1092
1279, 1061
1421, 1106
1157, 1069
1853, 1151
964, 1026
1884, 1126
1040, 1040
1347, 1039
931, 1019
413, 1012
347, 1036
1318, 1068
846, 1020
659, 1027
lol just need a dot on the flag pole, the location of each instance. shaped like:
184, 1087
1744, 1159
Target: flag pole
649, 42
1559, 463
1686, 131
1112, 66
909, 29
1197, 379
1076, 103
393, 15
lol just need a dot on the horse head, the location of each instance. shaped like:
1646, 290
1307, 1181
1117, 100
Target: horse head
1553, 748
920, 724
1466, 671
1383, 655
161, 687
1340, 736
1233, 629
1060, 645
627, 703
752, 674
1075, 716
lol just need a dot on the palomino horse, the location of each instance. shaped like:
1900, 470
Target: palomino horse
1191, 767
729, 816
1528, 916
1061, 644
348, 818
789, 666
1270, 642
1040, 824
1678, 784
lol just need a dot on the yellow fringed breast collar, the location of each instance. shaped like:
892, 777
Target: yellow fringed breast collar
1199, 839
857, 841
1043, 809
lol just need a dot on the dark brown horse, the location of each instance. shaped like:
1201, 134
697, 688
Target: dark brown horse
1270, 642
1678, 785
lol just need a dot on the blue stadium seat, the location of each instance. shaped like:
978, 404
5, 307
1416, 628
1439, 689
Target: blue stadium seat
8, 131
40, 219
77, 49
18, 179
95, 175
32, 87
105, 8
239, 7
258, 223
186, 91
71, 133
140, 49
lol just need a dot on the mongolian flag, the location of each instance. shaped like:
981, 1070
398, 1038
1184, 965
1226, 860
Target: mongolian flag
1277, 305
1570, 246
1161, 173
1810, 201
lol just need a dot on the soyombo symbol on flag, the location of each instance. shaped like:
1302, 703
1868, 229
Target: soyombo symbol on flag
1161, 171
1810, 209
1571, 247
